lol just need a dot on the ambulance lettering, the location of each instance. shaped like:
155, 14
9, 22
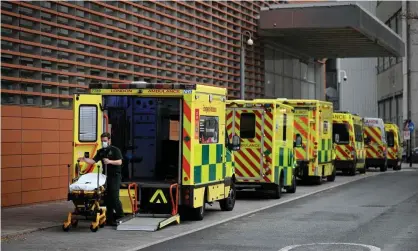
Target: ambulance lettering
121, 90
209, 109
163, 91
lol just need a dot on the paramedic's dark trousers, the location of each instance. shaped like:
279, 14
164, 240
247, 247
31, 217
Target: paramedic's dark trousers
112, 200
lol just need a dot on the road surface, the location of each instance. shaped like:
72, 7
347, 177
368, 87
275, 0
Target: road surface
381, 213
379, 210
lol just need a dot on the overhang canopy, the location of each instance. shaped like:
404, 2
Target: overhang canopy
329, 30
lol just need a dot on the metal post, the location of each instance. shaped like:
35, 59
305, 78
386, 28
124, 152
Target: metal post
242, 63
242, 69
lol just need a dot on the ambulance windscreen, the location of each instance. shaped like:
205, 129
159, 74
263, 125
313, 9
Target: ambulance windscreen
340, 133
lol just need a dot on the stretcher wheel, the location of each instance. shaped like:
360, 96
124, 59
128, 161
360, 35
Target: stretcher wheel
94, 229
66, 228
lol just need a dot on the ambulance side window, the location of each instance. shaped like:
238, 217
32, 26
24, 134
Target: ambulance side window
208, 129
358, 133
87, 123
247, 126
390, 139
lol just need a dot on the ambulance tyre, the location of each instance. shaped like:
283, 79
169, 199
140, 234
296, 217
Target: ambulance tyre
384, 168
228, 203
197, 214
278, 188
331, 178
292, 188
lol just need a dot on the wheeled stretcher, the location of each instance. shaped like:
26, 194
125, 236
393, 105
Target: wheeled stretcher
87, 194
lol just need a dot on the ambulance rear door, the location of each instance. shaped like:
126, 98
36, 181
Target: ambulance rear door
88, 126
249, 125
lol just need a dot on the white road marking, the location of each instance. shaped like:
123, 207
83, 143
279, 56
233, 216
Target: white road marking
371, 248
251, 212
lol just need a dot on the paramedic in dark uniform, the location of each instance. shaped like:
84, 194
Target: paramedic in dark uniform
111, 156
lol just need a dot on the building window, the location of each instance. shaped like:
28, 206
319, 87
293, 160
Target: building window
87, 123
208, 129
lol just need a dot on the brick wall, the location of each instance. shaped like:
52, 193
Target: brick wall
36, 147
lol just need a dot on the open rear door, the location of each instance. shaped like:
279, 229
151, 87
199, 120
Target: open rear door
88, 126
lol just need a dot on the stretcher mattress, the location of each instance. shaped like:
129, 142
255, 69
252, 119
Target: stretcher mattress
88, 182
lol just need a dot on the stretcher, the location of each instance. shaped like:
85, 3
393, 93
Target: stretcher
87, 194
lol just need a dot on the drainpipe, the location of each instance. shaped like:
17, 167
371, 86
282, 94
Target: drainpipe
405, 63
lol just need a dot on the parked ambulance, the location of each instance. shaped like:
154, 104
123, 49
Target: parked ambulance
376, 145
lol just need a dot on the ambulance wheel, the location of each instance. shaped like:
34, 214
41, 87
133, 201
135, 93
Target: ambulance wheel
228, 203
331, 178
292, 188
278, 188
384, 168
197, 214
362, 170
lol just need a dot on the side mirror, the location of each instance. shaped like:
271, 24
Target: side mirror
337, 138
298, 141
236, 143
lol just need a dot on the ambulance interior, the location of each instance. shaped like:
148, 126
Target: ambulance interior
147, 131
341, 133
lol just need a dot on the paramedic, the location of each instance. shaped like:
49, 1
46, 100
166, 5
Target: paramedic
111, 156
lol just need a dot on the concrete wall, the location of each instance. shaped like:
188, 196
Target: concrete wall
390, 81
358, 93
288, 77
413, 53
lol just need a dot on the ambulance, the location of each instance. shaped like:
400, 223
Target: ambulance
313, 140
393, 138
348, 137
376, 145
265, 159
174, 142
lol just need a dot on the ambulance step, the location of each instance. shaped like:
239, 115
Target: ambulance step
148, 222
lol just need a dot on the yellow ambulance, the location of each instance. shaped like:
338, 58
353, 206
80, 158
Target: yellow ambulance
265, 160
393, 138
376, 145
348, 137
313, 139
174, 142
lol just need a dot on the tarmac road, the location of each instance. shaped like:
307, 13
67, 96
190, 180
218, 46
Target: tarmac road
351, 212
381, 212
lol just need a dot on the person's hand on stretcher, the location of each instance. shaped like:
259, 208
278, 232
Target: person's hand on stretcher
105, 161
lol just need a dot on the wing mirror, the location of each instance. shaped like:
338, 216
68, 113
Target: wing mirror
298, 141
337, 138
236, 143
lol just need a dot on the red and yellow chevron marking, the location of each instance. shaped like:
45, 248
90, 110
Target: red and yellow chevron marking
301, 126
187, 138
392, 153
343, 152
375, 149
248, 158
313, 139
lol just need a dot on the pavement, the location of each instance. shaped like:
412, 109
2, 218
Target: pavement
38, 227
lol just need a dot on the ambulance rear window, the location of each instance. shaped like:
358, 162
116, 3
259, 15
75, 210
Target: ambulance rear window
87, 123
390, 139
247, 126
340, 133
